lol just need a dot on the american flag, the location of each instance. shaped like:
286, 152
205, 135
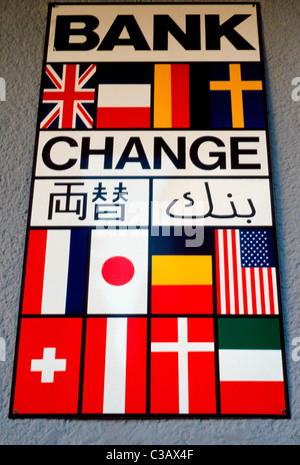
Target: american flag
246, 273
66, 101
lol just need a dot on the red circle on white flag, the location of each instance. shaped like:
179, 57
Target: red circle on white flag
117, 271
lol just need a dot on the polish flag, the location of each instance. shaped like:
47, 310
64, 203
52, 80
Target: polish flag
123, 106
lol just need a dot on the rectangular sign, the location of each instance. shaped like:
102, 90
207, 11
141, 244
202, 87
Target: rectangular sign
151, 283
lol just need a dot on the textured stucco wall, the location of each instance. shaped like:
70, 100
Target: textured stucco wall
22, 35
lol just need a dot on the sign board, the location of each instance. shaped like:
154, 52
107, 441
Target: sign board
151, 283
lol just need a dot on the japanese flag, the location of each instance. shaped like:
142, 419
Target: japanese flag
118, 272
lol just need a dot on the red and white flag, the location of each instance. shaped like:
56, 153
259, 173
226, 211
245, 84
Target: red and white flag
48, 366
118, 276
123, 106
115, 365
182, 366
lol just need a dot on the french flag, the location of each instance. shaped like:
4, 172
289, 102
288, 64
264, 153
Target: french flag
55, 272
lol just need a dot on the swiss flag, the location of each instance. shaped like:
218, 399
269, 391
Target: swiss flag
182, 366
48, 366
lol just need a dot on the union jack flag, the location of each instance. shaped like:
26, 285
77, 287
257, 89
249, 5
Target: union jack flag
67, 98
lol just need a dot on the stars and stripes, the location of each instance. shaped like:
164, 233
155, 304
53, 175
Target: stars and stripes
66, 101
246, 273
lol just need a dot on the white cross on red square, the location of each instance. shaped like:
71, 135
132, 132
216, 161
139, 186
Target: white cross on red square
48, 365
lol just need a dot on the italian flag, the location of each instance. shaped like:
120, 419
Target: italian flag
251, 370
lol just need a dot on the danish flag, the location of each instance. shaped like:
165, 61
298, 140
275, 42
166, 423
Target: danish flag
69, 95
182, 365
